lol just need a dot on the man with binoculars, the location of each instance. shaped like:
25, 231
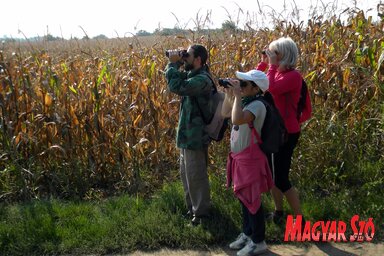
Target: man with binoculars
194, 86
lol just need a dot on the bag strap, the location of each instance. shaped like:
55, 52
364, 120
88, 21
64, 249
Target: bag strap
201, 111
250, 124
209, 75
254, 133
253, 129
291, 98
214, 91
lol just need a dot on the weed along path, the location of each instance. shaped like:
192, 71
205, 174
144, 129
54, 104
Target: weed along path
313, 249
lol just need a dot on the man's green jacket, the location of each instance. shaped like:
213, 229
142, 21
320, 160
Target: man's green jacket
195, 87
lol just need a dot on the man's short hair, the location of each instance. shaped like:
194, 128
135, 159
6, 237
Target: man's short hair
200, 51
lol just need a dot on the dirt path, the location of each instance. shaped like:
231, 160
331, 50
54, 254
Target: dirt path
320, 249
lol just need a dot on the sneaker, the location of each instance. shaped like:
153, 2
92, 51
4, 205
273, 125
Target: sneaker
253, 249
240, 242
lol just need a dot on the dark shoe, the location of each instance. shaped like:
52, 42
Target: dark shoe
278, 217
197, 220
302, 224
188, 215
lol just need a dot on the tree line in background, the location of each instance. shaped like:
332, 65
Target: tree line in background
226, 26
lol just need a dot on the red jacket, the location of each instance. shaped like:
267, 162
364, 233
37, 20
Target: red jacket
285, 88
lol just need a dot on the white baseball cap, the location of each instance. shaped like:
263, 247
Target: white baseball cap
257, 76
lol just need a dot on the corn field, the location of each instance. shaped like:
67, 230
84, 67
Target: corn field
88, 119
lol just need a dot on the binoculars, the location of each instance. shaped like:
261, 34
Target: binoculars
182, 53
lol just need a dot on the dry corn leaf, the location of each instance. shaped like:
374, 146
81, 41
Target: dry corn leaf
137, 120
75, 121
48, 99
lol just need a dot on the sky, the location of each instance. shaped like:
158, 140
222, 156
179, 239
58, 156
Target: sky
121, 18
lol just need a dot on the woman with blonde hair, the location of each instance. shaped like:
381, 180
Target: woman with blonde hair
285, 83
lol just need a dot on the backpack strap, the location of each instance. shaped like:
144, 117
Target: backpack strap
213, 91
250, 124
197, 102
201, 112
209, 75
302, 100
253, 129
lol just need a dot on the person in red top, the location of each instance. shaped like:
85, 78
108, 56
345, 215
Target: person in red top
285, 85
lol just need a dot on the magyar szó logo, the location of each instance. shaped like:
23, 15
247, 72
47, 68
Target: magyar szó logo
327, 231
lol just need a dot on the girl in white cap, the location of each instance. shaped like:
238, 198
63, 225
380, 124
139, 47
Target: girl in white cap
247, 166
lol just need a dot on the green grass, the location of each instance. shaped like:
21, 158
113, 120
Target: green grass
119, 224
123, 224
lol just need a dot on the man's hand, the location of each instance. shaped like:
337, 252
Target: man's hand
174, 56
